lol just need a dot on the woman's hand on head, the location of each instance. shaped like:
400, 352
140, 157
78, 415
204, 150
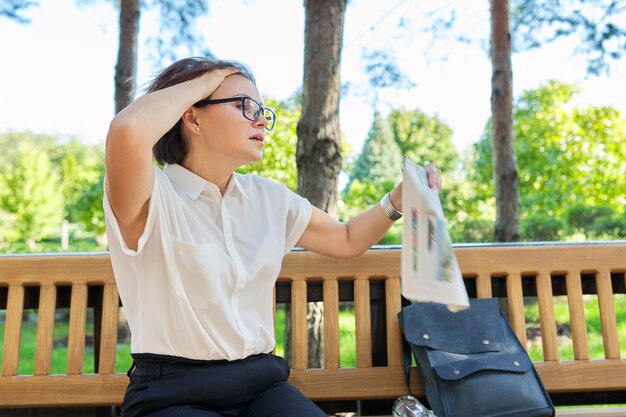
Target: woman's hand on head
212, 79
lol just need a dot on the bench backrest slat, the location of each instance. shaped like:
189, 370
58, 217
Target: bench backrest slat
362, 323
76, 337
45, 329
108, 339
299, 330
483, 285
13, 330
515, 305
393, 305
577, 316
607, 314
330, 288
546, 317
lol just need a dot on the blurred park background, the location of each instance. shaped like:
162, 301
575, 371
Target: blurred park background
415, 81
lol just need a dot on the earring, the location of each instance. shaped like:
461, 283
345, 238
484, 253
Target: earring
197, 128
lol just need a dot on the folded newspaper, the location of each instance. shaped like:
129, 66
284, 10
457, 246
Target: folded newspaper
430, 271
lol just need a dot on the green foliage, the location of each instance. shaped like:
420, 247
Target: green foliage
580, 217
361, 194
567, 156
30, 196
468, 206
541, 228
608, 228
376, 170
393, 236
10, 144
381, 159
473, 231
597, 222
424, 138
71, 173
460, 211
87, 209
279, 152
82, 167
77, 243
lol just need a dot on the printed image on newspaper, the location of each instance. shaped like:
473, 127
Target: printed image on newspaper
430, 271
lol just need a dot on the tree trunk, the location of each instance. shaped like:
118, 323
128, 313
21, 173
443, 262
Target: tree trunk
318, 153
315, 331
126, 67
504, 165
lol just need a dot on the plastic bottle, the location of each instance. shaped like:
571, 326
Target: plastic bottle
408, 406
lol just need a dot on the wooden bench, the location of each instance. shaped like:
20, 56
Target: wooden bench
371, 282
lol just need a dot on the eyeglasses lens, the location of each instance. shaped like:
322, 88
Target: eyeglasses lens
251, 109
269, 115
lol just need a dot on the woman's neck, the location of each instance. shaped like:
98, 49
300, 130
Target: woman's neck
212, 171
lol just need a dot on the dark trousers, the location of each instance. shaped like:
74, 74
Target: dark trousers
253, 387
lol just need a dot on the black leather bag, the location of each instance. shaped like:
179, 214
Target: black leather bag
471, 362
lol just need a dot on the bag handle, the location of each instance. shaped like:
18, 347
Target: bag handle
406, 360
406, 353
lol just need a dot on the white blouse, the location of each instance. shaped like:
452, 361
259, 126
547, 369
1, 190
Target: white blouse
200, 283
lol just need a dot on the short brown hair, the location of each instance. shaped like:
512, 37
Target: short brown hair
172, 147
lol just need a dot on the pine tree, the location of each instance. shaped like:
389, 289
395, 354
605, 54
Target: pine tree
381, 159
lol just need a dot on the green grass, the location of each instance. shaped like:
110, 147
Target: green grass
594, 329
280, 330
59, 348
347, 337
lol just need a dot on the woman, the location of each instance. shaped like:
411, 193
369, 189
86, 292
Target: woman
196, 248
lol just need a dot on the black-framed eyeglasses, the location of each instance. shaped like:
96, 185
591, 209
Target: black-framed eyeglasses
250, 108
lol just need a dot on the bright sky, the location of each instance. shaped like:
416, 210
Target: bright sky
57, 72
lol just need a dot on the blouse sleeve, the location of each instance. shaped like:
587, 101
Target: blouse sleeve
298, 216
114, 234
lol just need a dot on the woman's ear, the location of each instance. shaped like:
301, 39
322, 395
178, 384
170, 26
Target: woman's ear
190, 120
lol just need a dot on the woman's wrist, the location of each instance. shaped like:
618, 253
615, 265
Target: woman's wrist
395, 197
